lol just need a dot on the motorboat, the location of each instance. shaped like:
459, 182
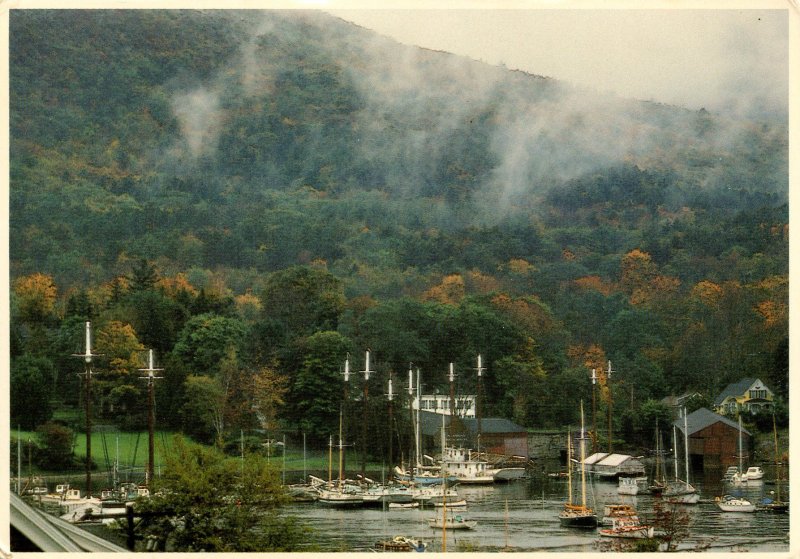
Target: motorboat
628, 527
753, 473
401, 543
729, 503
613, 511
632, 485
456, 522
452, 505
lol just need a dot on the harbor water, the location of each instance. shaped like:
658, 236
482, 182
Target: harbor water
522, 516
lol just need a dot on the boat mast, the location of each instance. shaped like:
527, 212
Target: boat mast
594, 411
777, 460
583, 457
330, 461
346, 375
451, 377
675, 449
341, 453
390, 396
150, 378
444, 488
686, 445
87, 374
478, 402
417, 430
740, 445
608, 384
411, 407
366, 372
569, 467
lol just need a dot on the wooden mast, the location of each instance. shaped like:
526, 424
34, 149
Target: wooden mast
366, 372
150, 473
480, 371
87, 374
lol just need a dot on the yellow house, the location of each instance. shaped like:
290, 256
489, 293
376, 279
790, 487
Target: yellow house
749, 394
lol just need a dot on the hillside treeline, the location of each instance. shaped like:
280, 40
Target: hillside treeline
255, 198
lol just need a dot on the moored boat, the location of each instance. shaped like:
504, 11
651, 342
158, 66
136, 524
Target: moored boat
574, 515
456, 522
753, 473
613, 511
728, 503
628, 527
632, 485
681, 491
452, 505
401, 543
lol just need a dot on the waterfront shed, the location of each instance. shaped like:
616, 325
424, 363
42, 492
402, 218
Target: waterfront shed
603, 464
498, 435
713, 440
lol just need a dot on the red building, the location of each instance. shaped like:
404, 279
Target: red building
713, 440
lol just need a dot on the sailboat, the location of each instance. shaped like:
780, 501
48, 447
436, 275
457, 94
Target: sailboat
679, 491
577, 516
342, 495
738, 477
454, 521
776, 505
659, 476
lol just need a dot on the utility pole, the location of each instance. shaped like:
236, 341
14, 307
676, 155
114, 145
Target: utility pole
87, 356
150, 417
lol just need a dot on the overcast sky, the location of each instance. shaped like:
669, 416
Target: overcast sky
717, 59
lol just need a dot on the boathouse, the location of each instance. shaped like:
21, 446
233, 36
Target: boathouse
713, 440
497, 435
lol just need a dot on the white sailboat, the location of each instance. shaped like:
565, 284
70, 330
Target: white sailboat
681, 491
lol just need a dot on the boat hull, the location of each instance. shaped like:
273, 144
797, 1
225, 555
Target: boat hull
504, 475
632, 532
453, 525
732, 504
571, 519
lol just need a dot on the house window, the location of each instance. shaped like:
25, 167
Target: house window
758, 394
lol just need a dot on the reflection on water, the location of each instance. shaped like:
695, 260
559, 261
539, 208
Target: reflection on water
532, 522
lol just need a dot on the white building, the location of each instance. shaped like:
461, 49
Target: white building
440, 403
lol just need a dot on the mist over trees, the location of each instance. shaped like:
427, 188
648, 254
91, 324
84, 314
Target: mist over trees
257, 195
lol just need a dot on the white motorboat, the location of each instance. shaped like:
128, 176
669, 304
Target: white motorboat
456, 522
453, 505
403, 505
458, 463
753, 473
729, 503
632, 485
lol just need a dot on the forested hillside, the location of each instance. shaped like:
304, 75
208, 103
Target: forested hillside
256, 194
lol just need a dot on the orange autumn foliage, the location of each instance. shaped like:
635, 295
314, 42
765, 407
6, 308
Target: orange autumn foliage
450, 292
